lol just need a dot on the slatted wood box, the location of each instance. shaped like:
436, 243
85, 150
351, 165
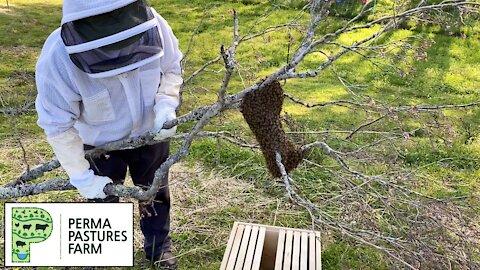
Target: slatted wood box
255, 247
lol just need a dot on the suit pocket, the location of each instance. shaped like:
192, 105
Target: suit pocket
149, 81
98, 108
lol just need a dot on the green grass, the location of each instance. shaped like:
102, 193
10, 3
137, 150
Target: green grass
444, 153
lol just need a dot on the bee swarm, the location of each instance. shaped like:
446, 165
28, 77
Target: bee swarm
261, 109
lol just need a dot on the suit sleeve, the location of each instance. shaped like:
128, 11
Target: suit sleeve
58, 107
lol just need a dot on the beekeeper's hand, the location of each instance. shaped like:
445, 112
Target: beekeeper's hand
90, 185
164, 112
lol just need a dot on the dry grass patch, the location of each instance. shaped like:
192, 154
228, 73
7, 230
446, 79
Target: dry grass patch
13, 160
204, 206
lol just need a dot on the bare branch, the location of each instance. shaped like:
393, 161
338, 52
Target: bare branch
35, 173
435, 107
269, 30
323, 104
23, 190
365, 125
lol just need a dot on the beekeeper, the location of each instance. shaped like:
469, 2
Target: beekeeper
110, 72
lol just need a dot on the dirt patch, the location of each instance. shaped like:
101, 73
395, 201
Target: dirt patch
7, 10
19, 50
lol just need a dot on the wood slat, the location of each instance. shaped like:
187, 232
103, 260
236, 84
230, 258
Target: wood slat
243, 248
259, 249
297, 236
318, 250
280, 250
228, 250
312, 249
235, 247
251, 248
304, 252
269, 227
286, 249
287, 260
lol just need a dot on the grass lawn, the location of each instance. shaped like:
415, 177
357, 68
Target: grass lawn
219, 183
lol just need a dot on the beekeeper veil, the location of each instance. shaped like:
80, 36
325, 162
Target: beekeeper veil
108, 37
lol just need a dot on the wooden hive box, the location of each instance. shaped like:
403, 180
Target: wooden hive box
254, 247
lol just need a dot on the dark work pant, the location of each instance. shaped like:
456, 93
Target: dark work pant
142, 164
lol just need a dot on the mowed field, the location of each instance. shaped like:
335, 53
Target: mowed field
219, 183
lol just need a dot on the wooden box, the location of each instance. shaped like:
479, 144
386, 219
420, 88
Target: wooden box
253, 247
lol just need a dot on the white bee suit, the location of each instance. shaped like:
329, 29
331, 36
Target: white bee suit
75, 108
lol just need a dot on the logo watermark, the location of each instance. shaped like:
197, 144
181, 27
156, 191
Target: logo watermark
30, 225
68, 234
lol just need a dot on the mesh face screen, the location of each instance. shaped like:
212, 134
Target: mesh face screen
106, 58
106, 24
116, 40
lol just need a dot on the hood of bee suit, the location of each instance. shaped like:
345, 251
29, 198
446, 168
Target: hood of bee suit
108, 37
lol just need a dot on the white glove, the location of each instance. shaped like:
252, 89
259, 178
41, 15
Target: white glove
164, 112
90, 185
68, 148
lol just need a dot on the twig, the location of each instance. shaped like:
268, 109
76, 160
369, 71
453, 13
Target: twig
365, 125
385, 108
269, 30
201, 69
323, 104
435, 107
18, 111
